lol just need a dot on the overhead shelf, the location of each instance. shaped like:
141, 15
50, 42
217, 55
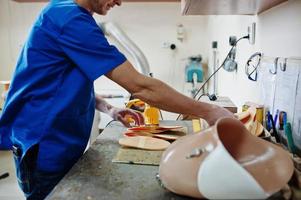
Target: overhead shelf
24, 1
212, 7
227, 7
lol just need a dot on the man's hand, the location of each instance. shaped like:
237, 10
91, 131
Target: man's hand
215, 113
123, 115
4, 95
211, 117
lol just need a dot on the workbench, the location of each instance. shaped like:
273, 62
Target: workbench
95, 176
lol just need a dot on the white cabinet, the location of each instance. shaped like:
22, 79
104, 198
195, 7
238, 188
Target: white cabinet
22, 1
227, 7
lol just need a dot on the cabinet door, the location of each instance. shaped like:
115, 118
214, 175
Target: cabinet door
21, 1
227, 7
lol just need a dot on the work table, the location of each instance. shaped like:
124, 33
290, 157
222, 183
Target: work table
95, 176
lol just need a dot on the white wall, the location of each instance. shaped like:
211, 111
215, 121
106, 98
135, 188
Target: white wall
280, 30
234, 84
278, 34
152, 24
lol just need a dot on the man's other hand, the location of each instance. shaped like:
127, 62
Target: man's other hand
217, 112
124, 115
4, 95
211, 117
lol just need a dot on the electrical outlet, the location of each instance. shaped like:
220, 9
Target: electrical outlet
251, 33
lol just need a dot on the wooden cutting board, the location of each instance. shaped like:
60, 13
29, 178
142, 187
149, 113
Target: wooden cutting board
144, 142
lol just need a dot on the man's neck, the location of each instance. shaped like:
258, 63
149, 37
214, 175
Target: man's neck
85, 4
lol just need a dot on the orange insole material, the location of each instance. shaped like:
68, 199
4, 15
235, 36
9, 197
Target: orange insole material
152, 128
164, 135
144, 142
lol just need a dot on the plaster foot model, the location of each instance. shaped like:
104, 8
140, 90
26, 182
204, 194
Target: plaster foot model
225, 161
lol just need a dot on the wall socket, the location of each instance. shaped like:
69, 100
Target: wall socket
251, 33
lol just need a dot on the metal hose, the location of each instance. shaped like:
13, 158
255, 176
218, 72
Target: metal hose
140, 61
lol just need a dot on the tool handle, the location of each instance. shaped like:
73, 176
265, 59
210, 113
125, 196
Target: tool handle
290, 140
274, 132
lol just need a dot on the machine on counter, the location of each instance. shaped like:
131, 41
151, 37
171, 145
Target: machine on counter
194, 72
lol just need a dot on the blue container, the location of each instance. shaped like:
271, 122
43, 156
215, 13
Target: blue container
194, 67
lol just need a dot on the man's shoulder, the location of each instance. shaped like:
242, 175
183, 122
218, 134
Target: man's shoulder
61, 11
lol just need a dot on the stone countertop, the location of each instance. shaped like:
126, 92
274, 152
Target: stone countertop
95, 176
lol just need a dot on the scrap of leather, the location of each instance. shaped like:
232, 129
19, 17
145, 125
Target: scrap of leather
144, 142
267, 166
169, 133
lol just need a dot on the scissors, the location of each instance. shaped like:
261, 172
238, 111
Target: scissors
274, 132
268, 121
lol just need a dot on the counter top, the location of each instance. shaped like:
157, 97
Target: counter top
95, 176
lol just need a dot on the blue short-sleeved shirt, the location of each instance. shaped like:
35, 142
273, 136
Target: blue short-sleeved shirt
51, 99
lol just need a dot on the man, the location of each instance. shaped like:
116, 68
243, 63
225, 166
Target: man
50, 105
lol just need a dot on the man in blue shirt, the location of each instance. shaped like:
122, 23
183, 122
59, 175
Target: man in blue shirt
50, 105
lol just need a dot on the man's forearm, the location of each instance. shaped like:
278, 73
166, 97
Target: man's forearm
159, 94
163, 96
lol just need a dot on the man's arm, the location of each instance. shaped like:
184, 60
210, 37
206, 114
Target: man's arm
159, 94
119, 114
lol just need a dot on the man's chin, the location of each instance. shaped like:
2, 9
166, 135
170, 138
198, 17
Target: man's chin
103, 12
